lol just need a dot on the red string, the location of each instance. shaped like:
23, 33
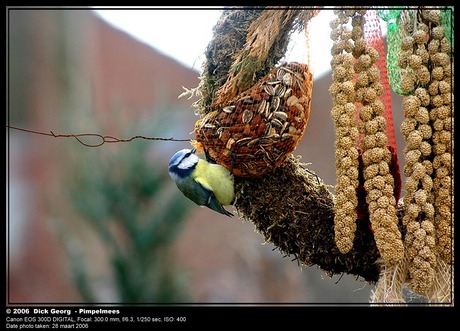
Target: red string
374, 38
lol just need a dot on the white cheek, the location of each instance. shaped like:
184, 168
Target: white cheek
188, 162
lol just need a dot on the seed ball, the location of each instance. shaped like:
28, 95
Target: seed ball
356, 33
445, 137
423, 96
425, 148
413, 210
348, 46
362, 80
428, 209
341, 98
427, 183
420, 37
372, 155
366, 113
418, 171
373, 54
437, 73
428, 165
437, 32
445, 46
348, 87
364, 62
335, 33
423, 75
378, 107
380, 138
339, 73
441, 59
383, 202
426, 130
422, 115
433, 88
407, 83
412, 157
343, 120
414, 139
407, 43
352, 172
407, 126
384, 169
448, 124
415, 61
444, 87
433, 46
420, 197
371, 171
403, 59
334, 24
359, 48
371, 127
448, 98
370, 95
423, 53
437, 101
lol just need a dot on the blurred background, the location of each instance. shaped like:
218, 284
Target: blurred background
107, 224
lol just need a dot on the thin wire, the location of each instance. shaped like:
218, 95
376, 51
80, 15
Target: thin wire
104, 138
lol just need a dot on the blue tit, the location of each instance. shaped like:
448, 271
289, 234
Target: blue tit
206, 184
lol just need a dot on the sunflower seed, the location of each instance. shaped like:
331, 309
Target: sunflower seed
286, 136
276, 123
273, 136
287, 79
280, 73
279, 90
230, 143
247, 116
274, 105
262, 106
253, 142
285, 125
272, 82
269, 89
268, 127
265, 142
229, 109
243, 141
287, 93
281, 115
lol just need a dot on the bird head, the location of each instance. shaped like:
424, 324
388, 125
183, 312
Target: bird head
182, 163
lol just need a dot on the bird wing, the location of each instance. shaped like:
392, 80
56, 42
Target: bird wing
211, 202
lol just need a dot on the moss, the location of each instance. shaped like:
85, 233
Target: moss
292, 209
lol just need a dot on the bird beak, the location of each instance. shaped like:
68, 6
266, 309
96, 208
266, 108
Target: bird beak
193, 150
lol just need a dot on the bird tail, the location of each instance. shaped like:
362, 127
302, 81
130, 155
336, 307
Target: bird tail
215, 205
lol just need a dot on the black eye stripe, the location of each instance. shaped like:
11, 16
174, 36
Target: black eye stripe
186, 155
192, 151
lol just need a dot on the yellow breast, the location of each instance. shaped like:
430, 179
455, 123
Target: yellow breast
216, 178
